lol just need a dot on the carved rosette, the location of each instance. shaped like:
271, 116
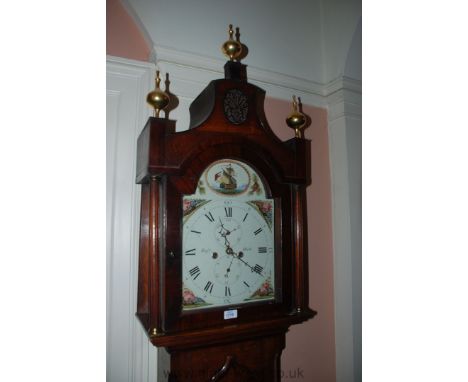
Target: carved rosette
236, 106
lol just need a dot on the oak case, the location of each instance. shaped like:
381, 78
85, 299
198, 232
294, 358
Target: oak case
169, 166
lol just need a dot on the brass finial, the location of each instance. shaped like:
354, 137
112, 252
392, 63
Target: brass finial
153, 332
296, 120
157, 98
231, 47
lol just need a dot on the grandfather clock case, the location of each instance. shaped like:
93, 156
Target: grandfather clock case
223, 232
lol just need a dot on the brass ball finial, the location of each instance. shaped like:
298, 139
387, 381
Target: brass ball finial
157, 98
296, 120
232, 48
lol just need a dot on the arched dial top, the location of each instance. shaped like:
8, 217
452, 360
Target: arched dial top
228, 239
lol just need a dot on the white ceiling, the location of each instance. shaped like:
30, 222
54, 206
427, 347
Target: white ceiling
307, 39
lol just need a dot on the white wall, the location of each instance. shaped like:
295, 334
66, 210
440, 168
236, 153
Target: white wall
345, 135
353, 65
130, 357
339, 19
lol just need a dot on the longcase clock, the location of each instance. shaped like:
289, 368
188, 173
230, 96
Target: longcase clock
223, 235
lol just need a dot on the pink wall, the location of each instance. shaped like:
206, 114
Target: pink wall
123, 37
310, 347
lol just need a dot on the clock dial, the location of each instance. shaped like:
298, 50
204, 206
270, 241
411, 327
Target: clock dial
228, 246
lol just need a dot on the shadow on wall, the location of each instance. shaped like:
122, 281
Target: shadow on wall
173, 99
353, 64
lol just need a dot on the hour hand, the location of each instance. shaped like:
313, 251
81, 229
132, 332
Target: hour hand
221, 223
224, 228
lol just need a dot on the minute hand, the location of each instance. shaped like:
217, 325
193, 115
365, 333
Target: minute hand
252, 268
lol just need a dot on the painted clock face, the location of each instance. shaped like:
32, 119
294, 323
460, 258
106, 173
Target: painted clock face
228, 239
